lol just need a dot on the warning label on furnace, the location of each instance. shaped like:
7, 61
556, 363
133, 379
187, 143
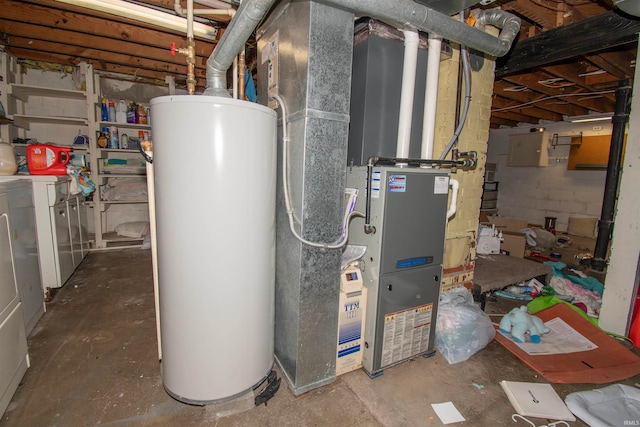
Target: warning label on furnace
406, 333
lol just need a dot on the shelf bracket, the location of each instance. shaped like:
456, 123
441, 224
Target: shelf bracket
556, 137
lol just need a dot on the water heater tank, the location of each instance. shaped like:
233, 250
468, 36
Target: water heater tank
215, 186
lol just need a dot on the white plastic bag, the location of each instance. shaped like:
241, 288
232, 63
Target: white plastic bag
462, 329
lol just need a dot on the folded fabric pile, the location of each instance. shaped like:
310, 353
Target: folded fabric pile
581, 290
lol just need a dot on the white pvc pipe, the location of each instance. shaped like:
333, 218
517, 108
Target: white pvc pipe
406, 95
190, 19
214, 3
430, 97
151, 194
223, 10
455, 185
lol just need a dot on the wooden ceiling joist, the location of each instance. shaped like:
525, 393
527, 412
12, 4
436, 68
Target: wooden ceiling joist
588, 36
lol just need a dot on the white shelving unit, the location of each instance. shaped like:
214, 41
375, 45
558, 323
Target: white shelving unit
52, 115
23, 119
33, 111
106, 212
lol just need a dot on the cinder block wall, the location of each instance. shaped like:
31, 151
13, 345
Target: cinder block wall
463, 226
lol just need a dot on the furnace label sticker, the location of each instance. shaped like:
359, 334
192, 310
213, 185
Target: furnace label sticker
441, 185
397, 183
406, 334
375, 185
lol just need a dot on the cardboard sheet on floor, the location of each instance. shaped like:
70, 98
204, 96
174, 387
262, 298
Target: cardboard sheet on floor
610, 362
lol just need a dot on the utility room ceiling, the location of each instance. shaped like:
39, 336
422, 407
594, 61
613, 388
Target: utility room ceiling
569, 58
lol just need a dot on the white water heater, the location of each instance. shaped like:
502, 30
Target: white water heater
215, 188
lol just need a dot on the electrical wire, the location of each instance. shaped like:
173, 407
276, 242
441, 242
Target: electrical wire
464, 53
287, 196
563, 95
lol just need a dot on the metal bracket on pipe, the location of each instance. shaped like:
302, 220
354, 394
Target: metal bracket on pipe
466, 159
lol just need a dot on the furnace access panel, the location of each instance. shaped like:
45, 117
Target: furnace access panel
402, 266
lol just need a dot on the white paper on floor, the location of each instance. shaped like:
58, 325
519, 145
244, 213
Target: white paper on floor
447, 413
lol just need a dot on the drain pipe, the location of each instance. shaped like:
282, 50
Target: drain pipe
453, 206
431, 96
409, 66
614, 167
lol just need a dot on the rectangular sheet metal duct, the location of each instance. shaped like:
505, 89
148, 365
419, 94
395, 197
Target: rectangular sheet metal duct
307, 47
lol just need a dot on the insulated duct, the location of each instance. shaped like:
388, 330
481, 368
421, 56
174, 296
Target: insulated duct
400, 13
408, 14
247, 18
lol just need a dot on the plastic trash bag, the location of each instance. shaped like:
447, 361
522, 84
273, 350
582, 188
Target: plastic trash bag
614, 405
539, 238
462, 329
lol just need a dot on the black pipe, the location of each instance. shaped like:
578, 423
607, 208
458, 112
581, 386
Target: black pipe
614, 167
368, 228
465, 160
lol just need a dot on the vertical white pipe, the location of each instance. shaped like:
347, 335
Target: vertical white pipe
190, 19
151, 194
406, 95
430, 97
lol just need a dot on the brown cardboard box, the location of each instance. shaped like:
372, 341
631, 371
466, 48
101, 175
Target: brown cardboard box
508, 224
582, 226
513, 242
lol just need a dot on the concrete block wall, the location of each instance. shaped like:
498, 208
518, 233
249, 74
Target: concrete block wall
533, 193
462, 228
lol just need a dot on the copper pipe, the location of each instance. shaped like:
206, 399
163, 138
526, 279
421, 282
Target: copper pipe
241, 70
191, 66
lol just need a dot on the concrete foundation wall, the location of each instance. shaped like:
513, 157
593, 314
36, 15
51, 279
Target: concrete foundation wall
532, 193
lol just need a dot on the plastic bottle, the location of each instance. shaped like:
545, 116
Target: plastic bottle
113, 142
112, 112
142, 115
105, 110
121, 112
124, 141
514, 289
131, 113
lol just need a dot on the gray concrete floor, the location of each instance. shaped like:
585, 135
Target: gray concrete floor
94, 362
